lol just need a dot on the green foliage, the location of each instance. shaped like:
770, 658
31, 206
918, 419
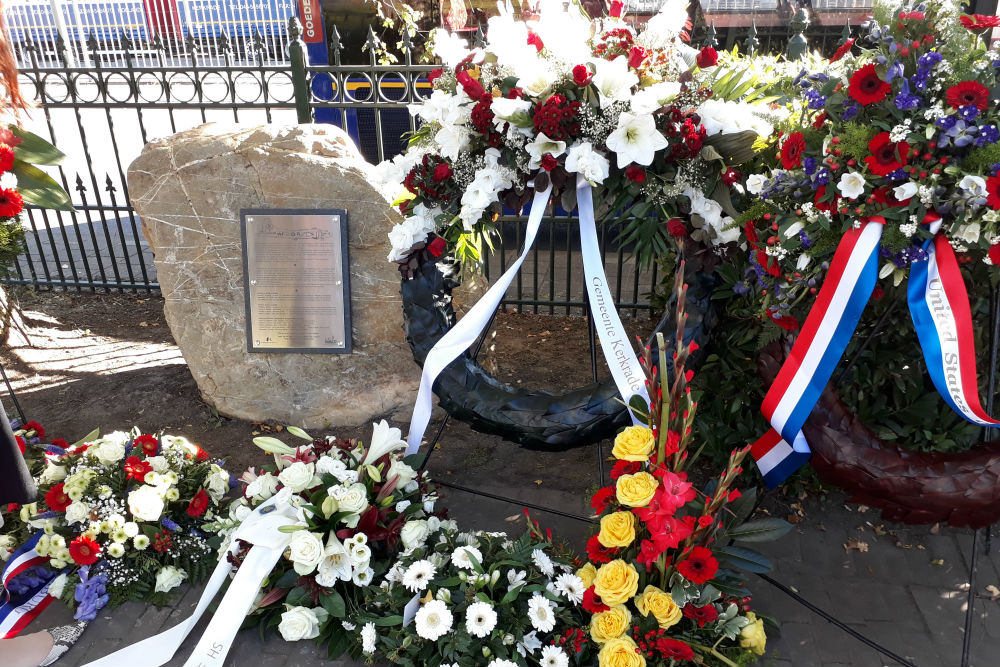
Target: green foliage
979, 159
854, 140
11, 243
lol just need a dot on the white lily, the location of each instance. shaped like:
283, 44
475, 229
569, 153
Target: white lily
652, 98
613, 80
636, 139
384, 440
542, 146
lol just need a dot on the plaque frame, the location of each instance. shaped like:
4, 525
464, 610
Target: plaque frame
345, 282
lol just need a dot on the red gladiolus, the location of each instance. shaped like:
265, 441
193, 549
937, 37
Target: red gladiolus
84, 550
36, 427
635, 56
535, 40
7, 137
707, 57
10, 203
792, 150
675, 649
442, 172
649, 552
866, 87
676, 227
57, 499
701, 615
969, 93
887, 156
592, 603
434, 74
699, 566
136, 468
993, 192
842, 50
635, 173
978, 22
148, 443
582, 75
436, 247
600, 500
21, 444
599, 553
198, 504
617, 7
677, 491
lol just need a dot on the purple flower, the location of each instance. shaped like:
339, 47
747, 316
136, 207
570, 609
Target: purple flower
905, 100
960, 134
821, 178
895, 69
805, 241
29, 579
816, 101
809, 164
969, 112
850, 111
169, 524
898, 175
15, 424
91, 594
988, 134
929, 59
995, 168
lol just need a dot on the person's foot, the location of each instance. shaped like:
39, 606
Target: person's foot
63, 637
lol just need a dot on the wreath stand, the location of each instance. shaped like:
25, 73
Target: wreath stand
593, 413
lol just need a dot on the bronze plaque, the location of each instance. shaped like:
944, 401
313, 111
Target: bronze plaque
296, 280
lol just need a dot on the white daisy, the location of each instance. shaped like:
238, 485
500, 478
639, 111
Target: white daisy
542, 562
480, 619
368, 638
460, 557
541, 614
417, 576
553, 656
571, 586
433, 620
500, 662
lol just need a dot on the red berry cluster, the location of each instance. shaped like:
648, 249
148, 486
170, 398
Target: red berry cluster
656, 644
615, 42
558, 119
428, 178
163, 542
574, 639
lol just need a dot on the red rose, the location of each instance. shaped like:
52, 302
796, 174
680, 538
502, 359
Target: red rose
969, 93
471, 87
84, 550
36, 427
842, 50
635, 56
707, 57
887, 156
148, 443
442, 172
866, 87
549, 162
535, 40
701, 615
21, 444
434, 74
136, 468
57, 499
676, 227
993, 192
635, 173
617, 7
198, 504
436, 247
699, 566
792, 150
978, 22
582, 75
10, 203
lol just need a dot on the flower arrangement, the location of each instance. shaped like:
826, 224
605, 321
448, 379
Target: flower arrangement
897, 125
362, 504
657, 125
122, 517
463, 598
660, 586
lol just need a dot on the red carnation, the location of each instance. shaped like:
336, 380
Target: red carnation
84, 550
617, 7
674, 649
535, 40
148, 443
978, 22
136, 468
21, 444
592, 603
442, 172
792, 150
57, 499
434, 74
549, 162
635, 56
198, 504
842, 50
34, 426
701, 615
59, 442
436, 247
887, 156
582, 75
10, 203
6, 157
969, 93
676, 227
707, 57
635, 173
471, 87
866, 87
599, 501
699, 566
993, 192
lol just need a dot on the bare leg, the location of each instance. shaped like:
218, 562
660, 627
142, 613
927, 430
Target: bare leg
27, 650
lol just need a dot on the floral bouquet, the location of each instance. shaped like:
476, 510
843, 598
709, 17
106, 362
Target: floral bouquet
362, 504
898, 126
657, 125
122, 518
477, 598
659, 581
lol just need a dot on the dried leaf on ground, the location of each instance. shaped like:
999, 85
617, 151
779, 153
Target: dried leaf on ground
856, 544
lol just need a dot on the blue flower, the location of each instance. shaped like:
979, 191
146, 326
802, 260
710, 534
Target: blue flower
850, 111
946, 122
805, 241
995, 168
816, 100
960, 135
988, 134
91, 594
809, 165
895, 69
905, 100
898, 175
969, 112
169, 524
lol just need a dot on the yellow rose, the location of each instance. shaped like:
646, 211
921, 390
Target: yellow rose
636, 490
620, 652
617, 529
616, 582
634, 444
752, 636
610, 624
587, 573
659, 604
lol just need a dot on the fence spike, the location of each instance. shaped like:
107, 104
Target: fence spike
407, 43
294, 28
751, 42
711, 35
798, 44
225, 44
61, 50
846, 34
127, 42
334, 44
157, 42
191, 44
479, 38
258, 40
371, 43
80, 187
109, 185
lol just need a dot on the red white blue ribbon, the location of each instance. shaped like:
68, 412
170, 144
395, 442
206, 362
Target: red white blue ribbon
939, 307
17, 611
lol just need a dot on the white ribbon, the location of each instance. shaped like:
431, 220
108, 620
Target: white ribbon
625, 367
261, 530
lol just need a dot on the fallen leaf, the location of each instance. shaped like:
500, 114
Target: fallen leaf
994, 592
538, 481
937, 561
795, 518
856, 544
143, 324
862, 508
935, 529
512, 518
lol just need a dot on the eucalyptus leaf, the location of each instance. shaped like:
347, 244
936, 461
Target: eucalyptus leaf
93, 435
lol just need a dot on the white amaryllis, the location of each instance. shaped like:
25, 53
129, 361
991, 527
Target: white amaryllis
664, 27
852, 185
535, 78
541, 147
385, 439
452, 138
613, 80
905, 191
584, 160
726, 117
636, 139
507, 39
651, 98
449, 47
513, 111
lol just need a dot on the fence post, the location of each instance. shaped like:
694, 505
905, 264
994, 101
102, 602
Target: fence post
798, 44
300, 85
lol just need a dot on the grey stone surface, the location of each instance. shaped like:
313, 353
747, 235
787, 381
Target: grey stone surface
188, 190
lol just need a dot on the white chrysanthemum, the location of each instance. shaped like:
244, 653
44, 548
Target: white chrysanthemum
540, 613
433, 620
500, 662
417, 576
542, 562
460, 557
571, 586
116, 550
480, 619
368, 638
553, 656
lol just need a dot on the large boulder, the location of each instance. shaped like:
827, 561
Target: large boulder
188, 190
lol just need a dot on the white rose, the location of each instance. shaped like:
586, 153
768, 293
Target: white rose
145, 503
306, 551
298, 476
327, 465
405, 473
725, 231
168, 578
263, 487
301, 623
159, 463
756, 183
108, 452
354, 499
402, 505
583, 159
77, 512
52, 474
852, 185
217, 482
905, 191
414, 534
